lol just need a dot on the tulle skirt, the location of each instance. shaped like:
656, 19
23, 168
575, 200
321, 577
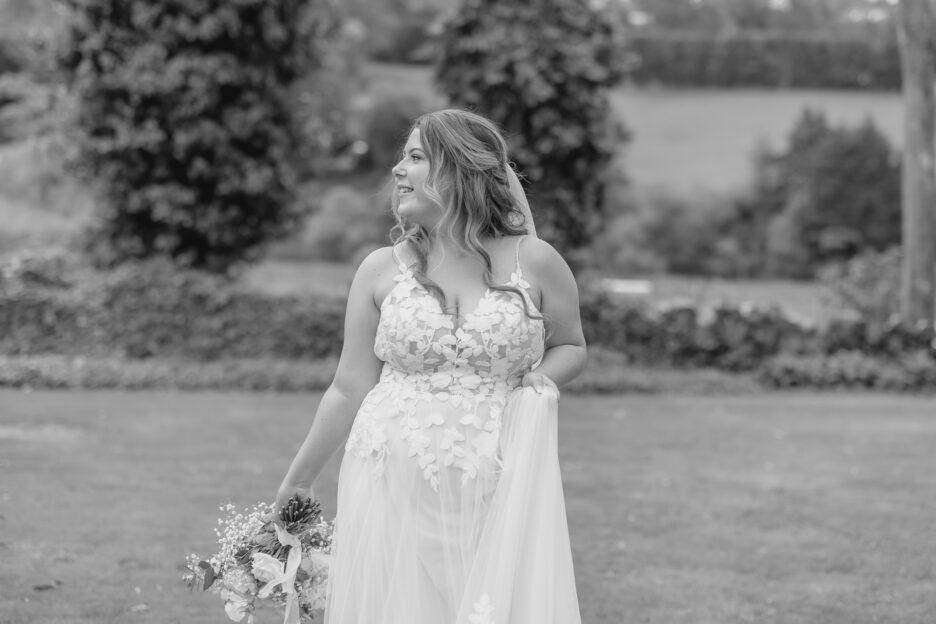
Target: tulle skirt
493, 549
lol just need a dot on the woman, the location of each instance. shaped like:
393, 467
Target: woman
442, 330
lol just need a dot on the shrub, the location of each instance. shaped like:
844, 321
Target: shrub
61, 372
735, 338
348, 222
760, 59
155, 311
388, 119
851, 370
826, 183
152, 309
185, 120
542, 70
867, 285
663, 233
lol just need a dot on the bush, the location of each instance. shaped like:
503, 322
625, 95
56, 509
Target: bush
851, 370
185, 120
152, 309
348, 224
734, 338
868, 285
155, 311
542, 71
759, 59
663, 233
62, 372
389, 118
831, 193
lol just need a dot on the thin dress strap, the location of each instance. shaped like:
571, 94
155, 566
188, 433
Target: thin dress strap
519, 270
400, 264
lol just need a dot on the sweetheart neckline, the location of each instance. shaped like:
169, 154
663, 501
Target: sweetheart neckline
477, 308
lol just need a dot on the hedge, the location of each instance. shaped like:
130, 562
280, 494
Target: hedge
755, 59
153, 310
851, 370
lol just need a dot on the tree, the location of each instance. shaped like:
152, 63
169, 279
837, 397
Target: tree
184, 119
541, 69
917, 31
835, 190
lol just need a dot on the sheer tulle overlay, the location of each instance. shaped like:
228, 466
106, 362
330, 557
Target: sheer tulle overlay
450, 505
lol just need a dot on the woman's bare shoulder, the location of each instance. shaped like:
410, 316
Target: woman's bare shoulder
376, 262
377, 271
541, 257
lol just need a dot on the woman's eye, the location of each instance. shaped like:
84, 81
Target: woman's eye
416, 157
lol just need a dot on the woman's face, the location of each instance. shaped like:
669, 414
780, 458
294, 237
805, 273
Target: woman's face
410, 175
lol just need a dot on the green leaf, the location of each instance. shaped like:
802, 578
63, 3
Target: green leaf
209, 574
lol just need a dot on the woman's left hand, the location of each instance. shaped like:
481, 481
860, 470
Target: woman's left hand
539, 382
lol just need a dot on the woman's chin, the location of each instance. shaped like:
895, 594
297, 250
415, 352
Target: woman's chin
417, 214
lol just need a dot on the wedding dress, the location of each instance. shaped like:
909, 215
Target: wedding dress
450, 507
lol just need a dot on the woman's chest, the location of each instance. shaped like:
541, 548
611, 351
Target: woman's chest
499, 333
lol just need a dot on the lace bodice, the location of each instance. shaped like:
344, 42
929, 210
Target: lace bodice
447, 383
496, 340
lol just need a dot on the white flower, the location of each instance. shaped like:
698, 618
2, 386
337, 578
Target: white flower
235, 605
317, 562
266, 567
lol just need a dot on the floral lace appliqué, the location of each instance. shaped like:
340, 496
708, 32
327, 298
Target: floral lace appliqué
483, 610
446, 386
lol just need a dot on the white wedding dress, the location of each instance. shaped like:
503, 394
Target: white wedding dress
450, 506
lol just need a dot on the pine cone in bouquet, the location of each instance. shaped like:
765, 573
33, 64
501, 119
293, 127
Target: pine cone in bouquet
298, 514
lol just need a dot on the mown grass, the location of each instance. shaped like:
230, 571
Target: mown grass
696, 140
775, 509
684, 140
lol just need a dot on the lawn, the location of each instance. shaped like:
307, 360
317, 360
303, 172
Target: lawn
697, 140
684, 140
775, 509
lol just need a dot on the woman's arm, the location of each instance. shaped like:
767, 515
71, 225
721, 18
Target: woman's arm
358, 371
565, 352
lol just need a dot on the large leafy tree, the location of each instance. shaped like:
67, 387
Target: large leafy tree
542, 70
833, 192
184, 119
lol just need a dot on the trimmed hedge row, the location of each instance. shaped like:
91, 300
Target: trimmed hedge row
57, 372
49, 305
735, 337
760, 59
851, 370
153, 309
605, 373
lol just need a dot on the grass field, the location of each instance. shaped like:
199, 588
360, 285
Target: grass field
692, 140
686, 141
776, 509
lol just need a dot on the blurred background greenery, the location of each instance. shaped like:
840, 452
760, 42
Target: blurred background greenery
714, 154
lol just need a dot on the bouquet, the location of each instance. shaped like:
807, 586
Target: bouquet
284, 564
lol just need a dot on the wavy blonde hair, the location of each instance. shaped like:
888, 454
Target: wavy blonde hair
468, 180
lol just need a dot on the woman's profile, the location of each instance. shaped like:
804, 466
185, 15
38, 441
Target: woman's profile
449, 507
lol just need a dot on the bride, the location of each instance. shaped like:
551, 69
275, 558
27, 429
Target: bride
450, 507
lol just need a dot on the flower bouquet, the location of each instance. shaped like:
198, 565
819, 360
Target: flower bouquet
284, 563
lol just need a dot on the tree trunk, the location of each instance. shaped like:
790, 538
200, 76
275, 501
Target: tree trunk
917, 31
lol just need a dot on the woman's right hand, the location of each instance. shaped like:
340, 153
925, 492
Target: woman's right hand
286, 492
